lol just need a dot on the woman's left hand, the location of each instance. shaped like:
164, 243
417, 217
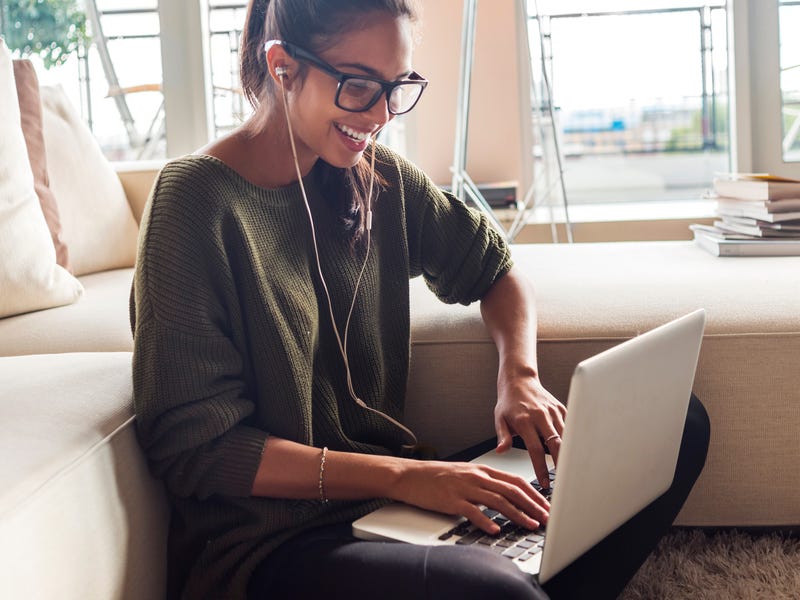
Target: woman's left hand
525, 408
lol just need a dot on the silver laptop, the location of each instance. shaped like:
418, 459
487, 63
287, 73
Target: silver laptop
631, 402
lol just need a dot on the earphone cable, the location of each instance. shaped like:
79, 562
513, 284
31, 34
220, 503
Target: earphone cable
342, 344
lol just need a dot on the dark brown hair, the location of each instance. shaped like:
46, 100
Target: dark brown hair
313, 25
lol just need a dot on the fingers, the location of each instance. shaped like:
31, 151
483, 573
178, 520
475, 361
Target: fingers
539, 427
504, 437
511, 496
553, 444
536, 452
527, 409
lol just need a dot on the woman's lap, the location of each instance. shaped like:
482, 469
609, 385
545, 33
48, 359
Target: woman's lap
329, 562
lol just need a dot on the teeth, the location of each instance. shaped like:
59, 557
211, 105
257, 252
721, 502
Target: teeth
356, 135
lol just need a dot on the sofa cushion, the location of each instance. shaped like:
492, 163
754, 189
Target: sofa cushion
30, 108
99, 227
593, 296
30, 279
80, 515
98, 323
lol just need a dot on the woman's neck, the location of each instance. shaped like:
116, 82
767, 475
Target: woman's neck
260, 151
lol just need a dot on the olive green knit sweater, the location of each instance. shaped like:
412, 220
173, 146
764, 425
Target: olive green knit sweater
233, 342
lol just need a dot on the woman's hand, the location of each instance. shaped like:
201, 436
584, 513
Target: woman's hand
525, 408
465, 488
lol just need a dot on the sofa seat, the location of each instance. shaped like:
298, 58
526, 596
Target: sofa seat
97, 322
80, 516
593, 296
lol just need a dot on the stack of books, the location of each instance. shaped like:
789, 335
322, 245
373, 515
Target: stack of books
758, 215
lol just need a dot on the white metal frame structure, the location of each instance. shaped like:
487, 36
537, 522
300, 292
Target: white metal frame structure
462, 184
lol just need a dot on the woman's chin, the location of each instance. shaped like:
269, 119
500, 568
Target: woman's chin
343, 161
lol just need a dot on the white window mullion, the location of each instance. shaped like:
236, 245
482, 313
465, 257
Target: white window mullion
187, 76
757, 89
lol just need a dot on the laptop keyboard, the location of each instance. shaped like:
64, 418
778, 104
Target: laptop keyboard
513, 541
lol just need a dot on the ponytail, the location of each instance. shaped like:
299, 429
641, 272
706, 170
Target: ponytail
253, 59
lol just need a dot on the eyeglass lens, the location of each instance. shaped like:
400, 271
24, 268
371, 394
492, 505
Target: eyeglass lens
358, 94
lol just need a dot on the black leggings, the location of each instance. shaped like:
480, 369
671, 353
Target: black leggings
330, 563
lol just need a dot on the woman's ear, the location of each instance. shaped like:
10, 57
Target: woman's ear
280, 64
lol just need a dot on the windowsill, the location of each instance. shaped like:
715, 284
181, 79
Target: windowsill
613, 222
616, 212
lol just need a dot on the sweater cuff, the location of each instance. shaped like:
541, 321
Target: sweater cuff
237, 461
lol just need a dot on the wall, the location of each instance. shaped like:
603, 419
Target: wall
494, 149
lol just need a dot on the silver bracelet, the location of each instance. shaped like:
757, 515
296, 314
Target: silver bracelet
323, 498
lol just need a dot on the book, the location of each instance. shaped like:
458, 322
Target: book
719, 233
756, 230
771, 206
756, 186
721, 246
782, 225
754, 211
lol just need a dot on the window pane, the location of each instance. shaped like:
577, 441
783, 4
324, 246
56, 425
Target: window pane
226, 20
640, 96
789, 14
115, 82
125, 80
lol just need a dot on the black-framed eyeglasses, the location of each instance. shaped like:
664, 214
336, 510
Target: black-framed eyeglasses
359, 93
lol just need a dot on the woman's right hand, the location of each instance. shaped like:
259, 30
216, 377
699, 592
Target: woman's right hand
292, 470
464, 488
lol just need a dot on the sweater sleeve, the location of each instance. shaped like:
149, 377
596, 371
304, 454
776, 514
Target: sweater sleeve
191, 402
452, 245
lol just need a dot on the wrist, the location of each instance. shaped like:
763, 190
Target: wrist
353, 476
514, 368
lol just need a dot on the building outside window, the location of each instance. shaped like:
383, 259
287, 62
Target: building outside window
640, 95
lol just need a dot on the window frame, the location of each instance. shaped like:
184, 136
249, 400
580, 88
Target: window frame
756, 129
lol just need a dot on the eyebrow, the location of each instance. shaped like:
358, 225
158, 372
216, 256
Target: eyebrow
372, 72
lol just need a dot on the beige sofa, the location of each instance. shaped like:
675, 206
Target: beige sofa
80, 516
78, 504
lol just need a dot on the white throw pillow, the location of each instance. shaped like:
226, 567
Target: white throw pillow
30, 279
98, 225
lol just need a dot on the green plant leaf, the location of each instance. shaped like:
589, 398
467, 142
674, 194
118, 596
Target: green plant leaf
51, 29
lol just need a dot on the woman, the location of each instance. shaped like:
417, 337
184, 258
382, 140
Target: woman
270, 316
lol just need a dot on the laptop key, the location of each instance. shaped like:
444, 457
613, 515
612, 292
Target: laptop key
513, 552
470, 538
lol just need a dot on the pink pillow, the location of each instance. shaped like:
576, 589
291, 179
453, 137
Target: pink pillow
30, 108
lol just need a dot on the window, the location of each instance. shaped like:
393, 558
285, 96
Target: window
640, 93
226, 20
789, 19
115, 82
639, 87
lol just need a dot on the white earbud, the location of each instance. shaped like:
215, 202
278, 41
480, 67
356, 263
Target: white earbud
281, 72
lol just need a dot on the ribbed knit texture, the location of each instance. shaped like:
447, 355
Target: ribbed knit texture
233, 342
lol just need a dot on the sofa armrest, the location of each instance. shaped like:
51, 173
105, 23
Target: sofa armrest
137, 179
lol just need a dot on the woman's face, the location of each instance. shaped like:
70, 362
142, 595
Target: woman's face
381, 48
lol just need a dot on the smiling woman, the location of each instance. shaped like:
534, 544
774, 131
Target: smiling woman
271, 320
